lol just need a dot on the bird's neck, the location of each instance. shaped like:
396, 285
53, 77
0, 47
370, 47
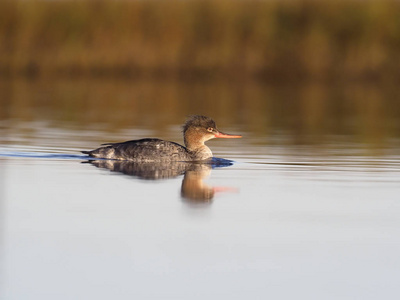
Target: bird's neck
194, 143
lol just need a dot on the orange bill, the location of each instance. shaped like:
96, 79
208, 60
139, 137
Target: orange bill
222, 135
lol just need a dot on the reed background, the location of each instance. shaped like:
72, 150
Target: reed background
267, 40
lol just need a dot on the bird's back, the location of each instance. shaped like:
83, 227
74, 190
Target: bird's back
144, 150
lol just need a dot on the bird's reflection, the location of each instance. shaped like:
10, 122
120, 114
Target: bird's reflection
193, 190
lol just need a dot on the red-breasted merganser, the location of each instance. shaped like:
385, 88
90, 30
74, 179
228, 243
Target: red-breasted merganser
196, 131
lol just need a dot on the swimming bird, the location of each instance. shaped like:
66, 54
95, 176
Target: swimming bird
196, 131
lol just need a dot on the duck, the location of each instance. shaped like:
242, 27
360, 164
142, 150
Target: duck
197, 130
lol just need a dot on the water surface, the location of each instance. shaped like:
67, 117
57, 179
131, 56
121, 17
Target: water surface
309, 208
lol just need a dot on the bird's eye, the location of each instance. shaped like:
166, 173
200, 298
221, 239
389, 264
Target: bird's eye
210, 129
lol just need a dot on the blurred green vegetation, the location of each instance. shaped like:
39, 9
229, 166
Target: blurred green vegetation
270, 40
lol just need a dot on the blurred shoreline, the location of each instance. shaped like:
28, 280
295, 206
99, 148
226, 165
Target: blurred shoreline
268, 41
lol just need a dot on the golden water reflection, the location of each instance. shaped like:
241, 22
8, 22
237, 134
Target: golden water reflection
307, 114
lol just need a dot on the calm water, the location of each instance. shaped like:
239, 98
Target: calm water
309, 209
